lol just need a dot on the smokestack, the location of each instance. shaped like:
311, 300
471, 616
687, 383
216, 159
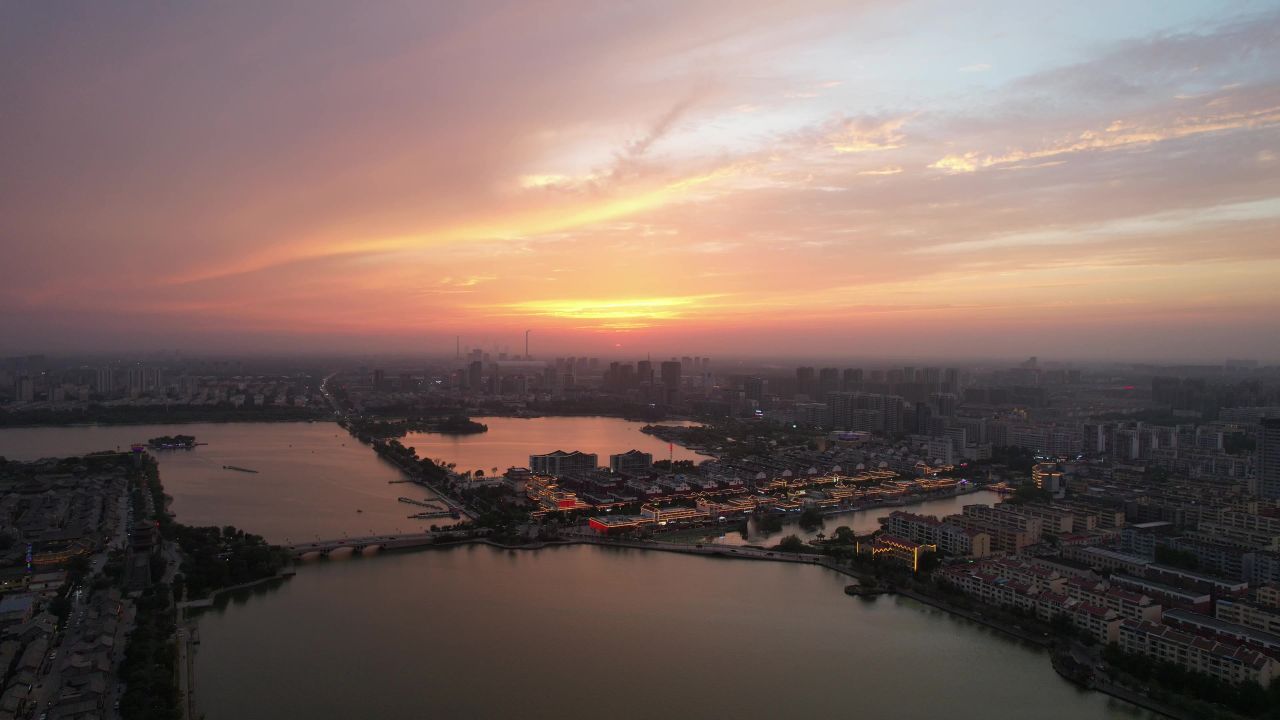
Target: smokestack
526, 344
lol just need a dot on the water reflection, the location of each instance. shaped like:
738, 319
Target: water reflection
481, 632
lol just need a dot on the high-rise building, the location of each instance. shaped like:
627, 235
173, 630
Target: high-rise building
106, 382
923, 418
474, 372
24, 389
866, 411
945, 403
671, 379
644, 372
805, 381
932, 376
951, 380
135, 381
754, 388
852, 379
631, 462
828, 381
560, 462
1269, 458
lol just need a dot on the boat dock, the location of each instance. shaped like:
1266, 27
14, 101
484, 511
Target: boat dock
429, 504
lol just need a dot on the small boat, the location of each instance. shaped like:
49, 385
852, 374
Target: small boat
239, 469
359, 510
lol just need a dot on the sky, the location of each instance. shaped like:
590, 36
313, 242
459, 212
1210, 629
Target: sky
1075, 180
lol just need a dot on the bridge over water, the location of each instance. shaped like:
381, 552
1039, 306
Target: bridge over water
359, 544
411, 540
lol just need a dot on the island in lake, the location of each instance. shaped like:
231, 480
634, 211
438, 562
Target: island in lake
172, 442
368, 430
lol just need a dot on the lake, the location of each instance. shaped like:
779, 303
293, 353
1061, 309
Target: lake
311, 480
313, 477
478, 632
510, 441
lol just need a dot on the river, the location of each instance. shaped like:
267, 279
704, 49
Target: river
860, 521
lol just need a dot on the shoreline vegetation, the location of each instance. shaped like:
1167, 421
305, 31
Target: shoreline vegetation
172, 442
368, 430
212, 559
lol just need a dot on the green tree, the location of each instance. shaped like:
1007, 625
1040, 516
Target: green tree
792, 544
769, 524
1030, 494
810, 519
60, 607
844, 535
928, 562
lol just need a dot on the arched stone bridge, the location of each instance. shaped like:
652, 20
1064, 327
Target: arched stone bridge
359, 544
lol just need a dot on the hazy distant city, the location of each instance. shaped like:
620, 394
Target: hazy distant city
666, 359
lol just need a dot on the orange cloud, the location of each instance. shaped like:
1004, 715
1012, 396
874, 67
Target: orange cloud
612, 313
1118, 135
531, 223
860, 135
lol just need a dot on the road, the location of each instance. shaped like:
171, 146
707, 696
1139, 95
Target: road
186, 672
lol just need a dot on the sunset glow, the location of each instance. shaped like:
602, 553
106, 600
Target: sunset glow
751, 177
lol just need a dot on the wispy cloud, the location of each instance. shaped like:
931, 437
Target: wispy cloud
1118, 135
867, 134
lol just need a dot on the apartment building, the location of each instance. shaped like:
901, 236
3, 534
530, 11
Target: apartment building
1009, 531
1248, 614
1055, 520
951, 539
1104, 559
1225, 661
1125, 603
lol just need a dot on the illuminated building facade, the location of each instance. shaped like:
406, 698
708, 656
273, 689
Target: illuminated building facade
900, 550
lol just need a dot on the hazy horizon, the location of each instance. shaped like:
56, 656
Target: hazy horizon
1082, 182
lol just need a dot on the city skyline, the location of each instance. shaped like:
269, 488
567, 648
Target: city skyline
840, 179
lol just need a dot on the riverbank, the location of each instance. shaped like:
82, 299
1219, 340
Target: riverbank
718, 532
1020, 633
1137, 698
209, 601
